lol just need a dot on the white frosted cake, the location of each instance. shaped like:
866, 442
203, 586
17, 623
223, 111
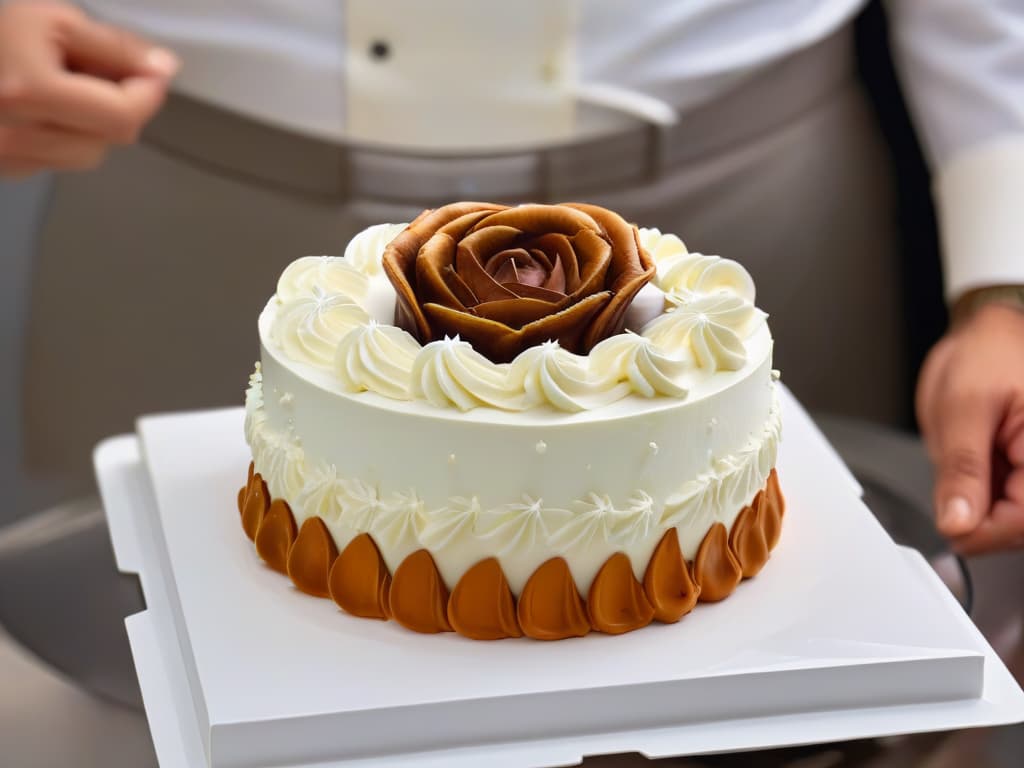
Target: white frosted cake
506, 421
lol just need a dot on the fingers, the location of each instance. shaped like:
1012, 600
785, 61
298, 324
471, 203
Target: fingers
962, 440
109, 52
1013, 437
112, 111
26, 148
62, 71
1002, 529
1013, 489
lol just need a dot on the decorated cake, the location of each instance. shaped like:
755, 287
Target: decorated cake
503, 421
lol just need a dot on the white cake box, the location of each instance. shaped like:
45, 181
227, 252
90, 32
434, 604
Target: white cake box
842, 635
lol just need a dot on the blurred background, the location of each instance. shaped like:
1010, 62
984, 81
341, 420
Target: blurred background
70, 696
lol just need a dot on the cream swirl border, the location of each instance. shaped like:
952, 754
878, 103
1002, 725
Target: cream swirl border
397, 520
332, 313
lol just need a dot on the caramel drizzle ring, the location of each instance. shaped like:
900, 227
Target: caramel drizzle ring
482, 606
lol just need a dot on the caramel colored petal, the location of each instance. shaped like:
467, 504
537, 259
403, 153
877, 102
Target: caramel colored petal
408, 314
617, 603
533, 292
458, 227
454, 219
667, 582
501, 343
541, 258
399, 259
489, 338
566, 327
550, 607
747, 542
773, 510
625, 286
629, 256
458, 287
484, 243
256, 504
481, 606
556, 277
473, 254
311, 557
515, 313
715, 568
542, 219
435, 259
244, 490
276, 535
359, 580
501, 265
594, 256
518, 265
630, 269
419, 598
561, 250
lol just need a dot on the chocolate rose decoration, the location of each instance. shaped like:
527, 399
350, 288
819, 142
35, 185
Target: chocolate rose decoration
507, 278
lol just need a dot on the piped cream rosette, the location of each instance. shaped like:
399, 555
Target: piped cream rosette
690, 321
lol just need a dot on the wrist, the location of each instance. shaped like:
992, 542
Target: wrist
972, 301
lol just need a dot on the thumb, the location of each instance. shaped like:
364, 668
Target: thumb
963, 489
106, 51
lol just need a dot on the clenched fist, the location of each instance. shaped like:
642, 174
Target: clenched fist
71, 87
970, 405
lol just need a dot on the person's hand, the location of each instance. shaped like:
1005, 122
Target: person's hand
970, 406
70, 88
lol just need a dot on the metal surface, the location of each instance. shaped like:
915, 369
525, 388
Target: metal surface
70, 696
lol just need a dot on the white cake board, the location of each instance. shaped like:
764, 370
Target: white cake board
843, 635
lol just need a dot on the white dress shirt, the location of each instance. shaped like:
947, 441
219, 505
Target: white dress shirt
383, 73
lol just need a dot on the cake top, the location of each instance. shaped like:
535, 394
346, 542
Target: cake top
477, 305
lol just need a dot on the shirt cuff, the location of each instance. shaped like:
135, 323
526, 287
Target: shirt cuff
980, 198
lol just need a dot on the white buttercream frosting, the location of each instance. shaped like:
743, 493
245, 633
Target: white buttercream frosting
695, 273
660, 246
448, 524
308, 328
360, 504
396, 526
378, 358
637, 361
712, 328
321, 496
592, 520
254, 412
638, 522
549, 374
328, 274
450, 372
520, 527
364, 251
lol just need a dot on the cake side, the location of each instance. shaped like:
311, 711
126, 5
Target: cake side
466, 489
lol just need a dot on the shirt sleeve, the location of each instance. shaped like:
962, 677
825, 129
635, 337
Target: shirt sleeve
962, 64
